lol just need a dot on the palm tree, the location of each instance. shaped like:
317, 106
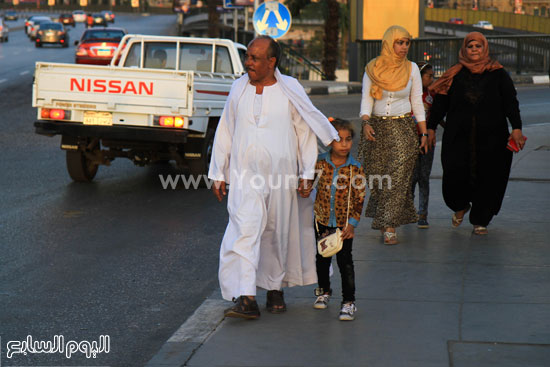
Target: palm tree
213, 19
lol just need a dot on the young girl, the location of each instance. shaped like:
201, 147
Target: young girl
338, 173
423, 168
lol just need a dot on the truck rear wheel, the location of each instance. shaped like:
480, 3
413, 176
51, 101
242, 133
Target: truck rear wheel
80, 168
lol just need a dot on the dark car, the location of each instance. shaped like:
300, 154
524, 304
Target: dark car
108, 15
97, 46
52, 33
66, 19
98, 20
11, 15
456, 21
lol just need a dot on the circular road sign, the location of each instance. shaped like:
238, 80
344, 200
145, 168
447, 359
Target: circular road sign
272, 19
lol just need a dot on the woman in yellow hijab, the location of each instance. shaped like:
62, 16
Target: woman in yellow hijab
392, 89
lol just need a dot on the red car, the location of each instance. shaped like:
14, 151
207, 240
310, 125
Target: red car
456, 21
97, 46
67, 19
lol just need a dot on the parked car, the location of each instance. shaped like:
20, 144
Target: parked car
29, 22
67, 19
456, 21
10, 15
52, 33
79, 16
97, 46
4, 31
108, 15
36, 26
98, 20
485, 24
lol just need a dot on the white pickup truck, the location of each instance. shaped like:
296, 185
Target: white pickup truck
160, 99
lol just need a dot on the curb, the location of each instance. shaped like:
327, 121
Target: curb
336, 89
181, 346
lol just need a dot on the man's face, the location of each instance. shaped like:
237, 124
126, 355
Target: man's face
257, 63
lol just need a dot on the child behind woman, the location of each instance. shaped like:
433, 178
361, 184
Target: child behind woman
423, 168
338, 173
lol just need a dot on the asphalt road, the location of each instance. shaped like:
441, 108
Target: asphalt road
121, 256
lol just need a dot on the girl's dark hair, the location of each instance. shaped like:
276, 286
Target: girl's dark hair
341, 124
424, 67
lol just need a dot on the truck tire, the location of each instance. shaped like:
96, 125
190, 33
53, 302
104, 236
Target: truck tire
80, 168
200, 166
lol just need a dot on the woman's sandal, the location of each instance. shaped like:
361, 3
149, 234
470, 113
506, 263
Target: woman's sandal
275, 302
390, 238
480, 230
458, 221
244, 307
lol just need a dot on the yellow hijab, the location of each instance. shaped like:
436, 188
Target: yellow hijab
389, 71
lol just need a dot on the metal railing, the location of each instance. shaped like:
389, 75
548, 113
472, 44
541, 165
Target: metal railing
525, 54
294, 64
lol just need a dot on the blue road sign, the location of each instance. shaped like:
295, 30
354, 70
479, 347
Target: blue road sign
272, 18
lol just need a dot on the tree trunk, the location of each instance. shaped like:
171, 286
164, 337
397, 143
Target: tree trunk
330, 47
213, 19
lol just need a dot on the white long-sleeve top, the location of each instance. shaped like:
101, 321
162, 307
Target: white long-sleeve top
395, 103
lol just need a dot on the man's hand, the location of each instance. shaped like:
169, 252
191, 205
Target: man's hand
348, 232
219, 189
431, 139
305, 187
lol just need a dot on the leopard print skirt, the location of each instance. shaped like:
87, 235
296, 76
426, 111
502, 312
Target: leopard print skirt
389, 164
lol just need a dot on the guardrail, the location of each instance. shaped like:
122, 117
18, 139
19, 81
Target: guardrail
295, 64
522, 54
522, 22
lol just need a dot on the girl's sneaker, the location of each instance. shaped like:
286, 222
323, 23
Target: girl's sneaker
322, 298
321, 302
347, 313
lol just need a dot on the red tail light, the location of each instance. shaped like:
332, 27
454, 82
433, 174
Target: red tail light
56, 114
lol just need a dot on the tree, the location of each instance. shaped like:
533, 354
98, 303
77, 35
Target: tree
213, 19
331, 15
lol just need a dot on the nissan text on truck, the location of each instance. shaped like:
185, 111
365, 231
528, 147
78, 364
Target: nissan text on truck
160, 99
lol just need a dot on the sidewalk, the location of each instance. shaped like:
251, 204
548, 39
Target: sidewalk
440, 298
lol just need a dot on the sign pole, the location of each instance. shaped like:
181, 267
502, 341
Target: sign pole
236, 24
256, 4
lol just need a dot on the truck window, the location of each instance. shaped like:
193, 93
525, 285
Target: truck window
132, 60
223, 61
160, 55
195, 57
242, 56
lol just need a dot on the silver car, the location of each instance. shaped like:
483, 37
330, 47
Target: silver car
4, 31
36, 26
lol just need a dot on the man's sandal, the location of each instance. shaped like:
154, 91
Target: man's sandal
390, 238
244, 307
458, 221
275, 302
480, 230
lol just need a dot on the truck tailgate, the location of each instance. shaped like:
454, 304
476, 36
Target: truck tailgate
105, 88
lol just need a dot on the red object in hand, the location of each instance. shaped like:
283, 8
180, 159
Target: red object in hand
512, 146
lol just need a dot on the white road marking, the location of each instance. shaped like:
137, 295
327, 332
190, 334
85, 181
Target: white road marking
24, 72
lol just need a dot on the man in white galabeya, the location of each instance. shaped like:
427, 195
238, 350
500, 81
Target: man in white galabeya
265, 147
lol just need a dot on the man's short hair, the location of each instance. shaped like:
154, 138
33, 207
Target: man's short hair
274, 49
